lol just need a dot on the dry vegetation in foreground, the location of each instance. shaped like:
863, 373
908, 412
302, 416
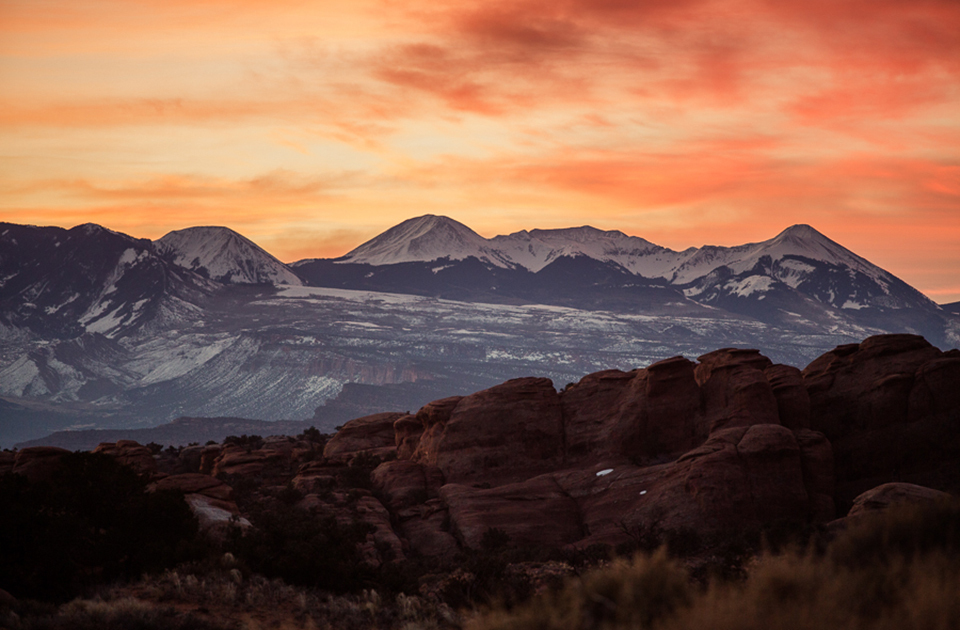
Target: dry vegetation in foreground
899, 569
895, 571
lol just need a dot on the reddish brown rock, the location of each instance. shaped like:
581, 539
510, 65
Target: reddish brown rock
500, 435
372, 435
195, 483
532, 513
588, 408
405, 483
729, 357
793, 401
407, 431
889, 494
130, 454
646, 415
215, 515
208, 458
382, 544
314, 476
238, 460
426, 528
433, 418
737, 395
38, 463
669, 418
863, 387
936, 390
888, 406
816, 460
739, 478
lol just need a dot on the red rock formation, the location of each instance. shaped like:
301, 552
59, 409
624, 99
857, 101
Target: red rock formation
38, 463
729, 357
405, 483
130, 454
793, 401
891, 410
532, 513
889, 494
588, 408
500, 435
372, 435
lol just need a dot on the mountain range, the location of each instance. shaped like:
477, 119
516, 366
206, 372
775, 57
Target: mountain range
102, 330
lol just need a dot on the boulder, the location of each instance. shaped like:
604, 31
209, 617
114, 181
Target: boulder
501, 435
936, 390
535, 512
405, 483
215, 515
729, 357
888, 494
208, 458
236, 460
130, 454
38, 463
372, 435
740, 478
195, 483
426, 529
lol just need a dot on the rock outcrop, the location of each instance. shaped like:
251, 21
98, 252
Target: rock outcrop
130, 454
890, 407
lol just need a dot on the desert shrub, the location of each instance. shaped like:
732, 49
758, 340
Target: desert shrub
312, 435
900, 569
301, 548
634, 593
121, 614
249, 442
92, 522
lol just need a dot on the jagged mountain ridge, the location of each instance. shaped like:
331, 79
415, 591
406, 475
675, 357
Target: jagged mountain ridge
799, 277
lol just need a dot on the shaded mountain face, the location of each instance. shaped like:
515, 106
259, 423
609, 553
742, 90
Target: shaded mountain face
64, 283
223, 255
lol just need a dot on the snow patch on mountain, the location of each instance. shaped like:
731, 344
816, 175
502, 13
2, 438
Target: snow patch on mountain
223, 255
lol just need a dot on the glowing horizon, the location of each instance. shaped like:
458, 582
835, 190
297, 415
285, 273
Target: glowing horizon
311, 128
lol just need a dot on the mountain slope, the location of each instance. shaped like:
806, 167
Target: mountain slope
63, 283
223, 255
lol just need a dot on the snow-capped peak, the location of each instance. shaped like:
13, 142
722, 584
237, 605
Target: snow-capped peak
423, 239
224, 255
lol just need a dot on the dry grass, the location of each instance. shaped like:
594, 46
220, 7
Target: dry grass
900, 570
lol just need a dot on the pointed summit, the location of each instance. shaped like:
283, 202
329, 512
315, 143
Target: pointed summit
223, 255
421, 239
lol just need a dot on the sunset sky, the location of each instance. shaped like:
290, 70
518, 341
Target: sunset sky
311, 126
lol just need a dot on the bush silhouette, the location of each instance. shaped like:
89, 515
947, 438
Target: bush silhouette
92, 522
